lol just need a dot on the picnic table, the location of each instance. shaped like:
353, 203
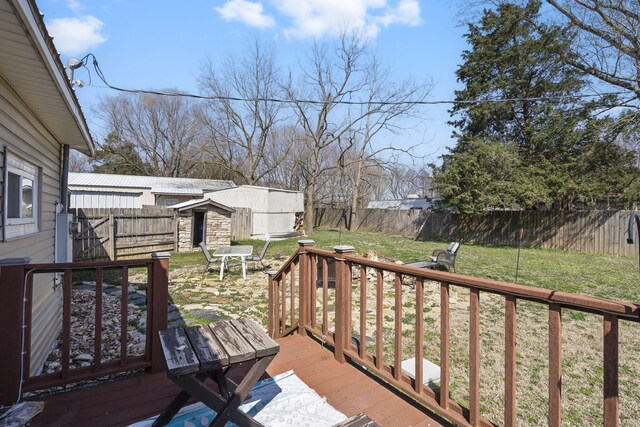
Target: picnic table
226, 252
196, 353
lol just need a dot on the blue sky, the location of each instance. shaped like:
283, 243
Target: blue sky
159, 44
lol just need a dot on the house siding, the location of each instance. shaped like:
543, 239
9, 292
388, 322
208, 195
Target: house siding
24, 135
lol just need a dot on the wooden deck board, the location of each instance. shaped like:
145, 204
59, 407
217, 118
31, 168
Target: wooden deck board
348, 389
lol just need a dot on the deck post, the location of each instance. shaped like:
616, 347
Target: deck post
271, 303
12, 295
343, 306
304, 319
160, 299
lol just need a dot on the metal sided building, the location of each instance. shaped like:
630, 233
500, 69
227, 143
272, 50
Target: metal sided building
273, 210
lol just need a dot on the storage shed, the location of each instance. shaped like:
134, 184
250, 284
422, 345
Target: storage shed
273, 210
203, 220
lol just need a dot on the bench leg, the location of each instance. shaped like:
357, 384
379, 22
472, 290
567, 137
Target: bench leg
173, 408
176, 404
231, 412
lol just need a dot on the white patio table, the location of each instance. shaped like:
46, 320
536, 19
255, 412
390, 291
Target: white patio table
226, 252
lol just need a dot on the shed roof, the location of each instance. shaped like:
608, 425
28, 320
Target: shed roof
197, 203
160, 185
261, 188
399, 204
31, 66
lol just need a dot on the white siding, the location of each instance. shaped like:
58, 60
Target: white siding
25, 136
273, 211
105, 199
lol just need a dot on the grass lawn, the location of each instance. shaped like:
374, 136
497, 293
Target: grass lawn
590, 274
598, 275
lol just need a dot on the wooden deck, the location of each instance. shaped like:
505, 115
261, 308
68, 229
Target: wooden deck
346, 388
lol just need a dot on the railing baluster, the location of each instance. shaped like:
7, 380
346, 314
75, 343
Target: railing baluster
66, 323
611, 403
348, 282
283, 319
510, 361
314, 290
555, 365
292, 300
379, 327
363, 311
276, 309
474, 356
325, 296
397, 369
419, 333
97, 339
444, 345
124, 314
270, 306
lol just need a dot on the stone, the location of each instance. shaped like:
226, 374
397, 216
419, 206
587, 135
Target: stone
84, 357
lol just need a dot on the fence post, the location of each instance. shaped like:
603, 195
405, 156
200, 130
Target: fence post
160, 298
111, 248
12, 295
271, 304
343, 303
305, 285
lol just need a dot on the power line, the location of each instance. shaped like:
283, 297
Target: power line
558, 98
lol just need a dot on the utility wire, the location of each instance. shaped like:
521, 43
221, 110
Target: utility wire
558, 98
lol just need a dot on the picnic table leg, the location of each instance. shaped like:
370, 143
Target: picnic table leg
244, 267
230, 411
173, 408
175, 405
224, 259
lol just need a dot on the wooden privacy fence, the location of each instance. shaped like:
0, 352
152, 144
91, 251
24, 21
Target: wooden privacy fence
123, 233
241, 224
577, 231
120, 233
353, 307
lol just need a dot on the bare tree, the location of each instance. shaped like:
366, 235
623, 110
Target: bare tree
337, 75
282, 165
388, 104
607, 45
163, 131
403, 180
78, 162
241, 128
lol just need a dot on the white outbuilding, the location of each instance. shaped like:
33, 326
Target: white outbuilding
274, 211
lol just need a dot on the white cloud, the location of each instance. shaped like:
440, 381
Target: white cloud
75, 5
315, 18
249, 13
74, 36
407, 12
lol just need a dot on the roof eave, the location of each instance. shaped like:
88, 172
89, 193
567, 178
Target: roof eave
34, 24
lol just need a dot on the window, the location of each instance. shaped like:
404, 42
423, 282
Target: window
22, 198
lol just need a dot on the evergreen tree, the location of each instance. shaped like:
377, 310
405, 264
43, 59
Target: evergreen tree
118, 156
550, 143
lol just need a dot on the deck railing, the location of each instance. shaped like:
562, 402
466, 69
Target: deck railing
294, 296
16, 287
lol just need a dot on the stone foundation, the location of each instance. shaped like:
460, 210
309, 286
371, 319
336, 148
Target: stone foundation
217, 230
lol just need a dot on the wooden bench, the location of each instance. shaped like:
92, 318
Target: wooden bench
196, 353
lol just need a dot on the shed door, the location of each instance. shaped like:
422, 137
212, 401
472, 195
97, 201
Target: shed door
199, 228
